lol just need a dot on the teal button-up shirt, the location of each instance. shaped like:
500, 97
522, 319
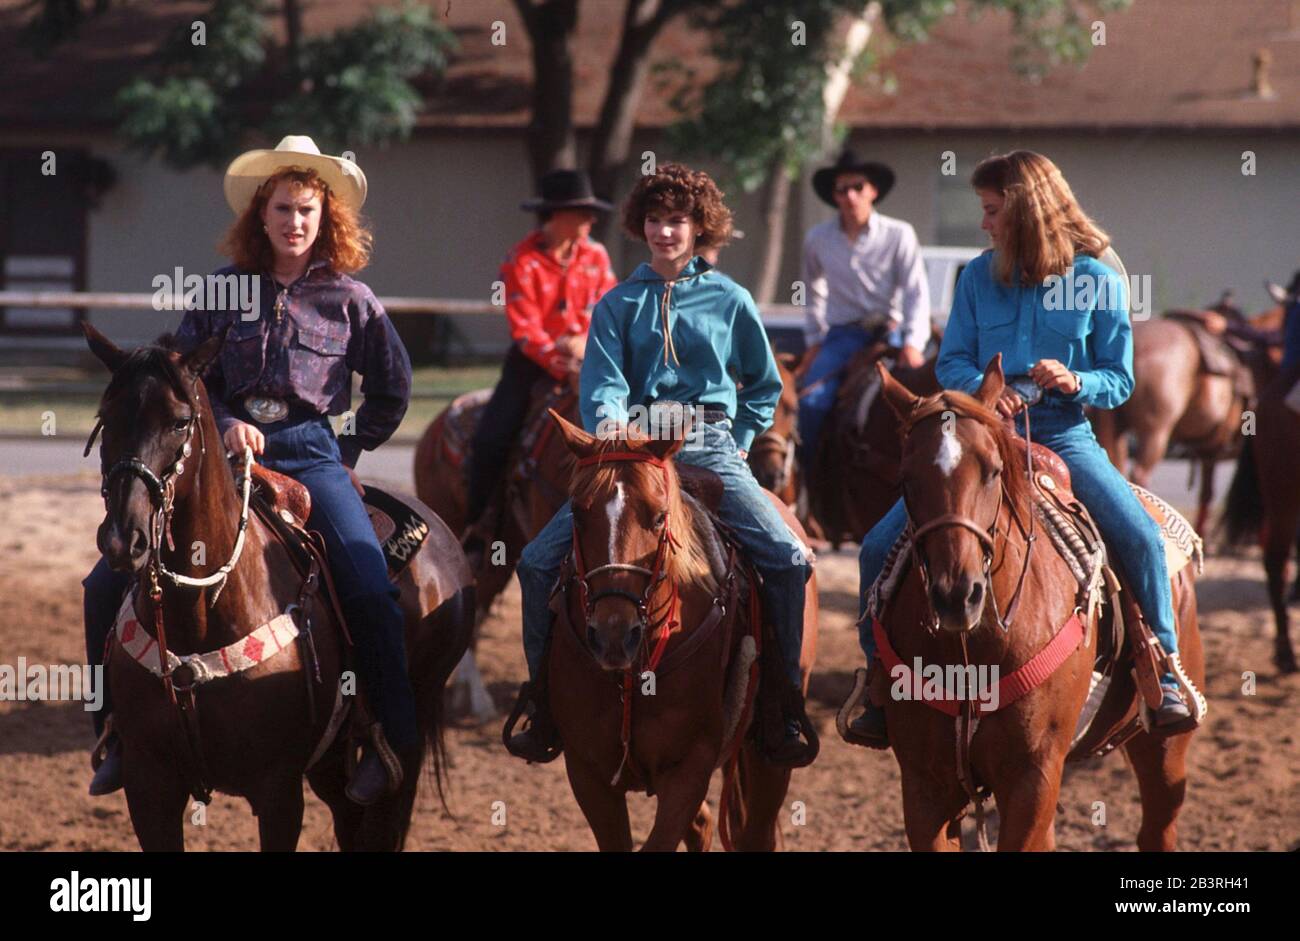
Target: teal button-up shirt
1081, 320
719, 352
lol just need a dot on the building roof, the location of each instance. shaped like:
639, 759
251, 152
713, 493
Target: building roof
1166, 64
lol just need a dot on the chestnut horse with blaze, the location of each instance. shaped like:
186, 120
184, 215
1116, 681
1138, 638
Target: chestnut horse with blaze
971, 510
663, 564
253, 733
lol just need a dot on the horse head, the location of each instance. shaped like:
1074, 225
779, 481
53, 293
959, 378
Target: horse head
153, 414
772, 455
957, 470
632, 538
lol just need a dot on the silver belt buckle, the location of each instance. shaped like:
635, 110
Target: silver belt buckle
266, 410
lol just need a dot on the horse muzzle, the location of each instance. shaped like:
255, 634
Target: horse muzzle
615, 644
959, 605
124, 552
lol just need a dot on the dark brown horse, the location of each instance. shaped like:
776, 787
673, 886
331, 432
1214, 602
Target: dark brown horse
256, 729
655, 564
855, 481
772, 456
1264, 502
1175, 400
969, 500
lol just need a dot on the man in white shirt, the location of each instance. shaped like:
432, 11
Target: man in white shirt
865, 283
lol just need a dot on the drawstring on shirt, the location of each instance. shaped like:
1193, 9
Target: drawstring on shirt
668, 336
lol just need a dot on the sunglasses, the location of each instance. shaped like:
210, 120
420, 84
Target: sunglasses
855, 187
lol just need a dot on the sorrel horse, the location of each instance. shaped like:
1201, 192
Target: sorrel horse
168, 488
1176, 401
968, 500
536, 485
772, 456
657, 580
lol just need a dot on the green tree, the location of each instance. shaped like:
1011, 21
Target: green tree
783, 69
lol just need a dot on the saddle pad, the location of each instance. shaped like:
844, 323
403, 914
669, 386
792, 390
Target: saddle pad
400, 529
459, 422
1182, 544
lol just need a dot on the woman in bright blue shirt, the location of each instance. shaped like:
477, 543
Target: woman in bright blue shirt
679, 331
1060, 319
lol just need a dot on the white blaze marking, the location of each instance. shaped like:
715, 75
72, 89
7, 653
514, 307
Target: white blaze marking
614, 510
949, 455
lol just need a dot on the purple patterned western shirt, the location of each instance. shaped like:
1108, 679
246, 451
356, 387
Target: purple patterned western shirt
326, 326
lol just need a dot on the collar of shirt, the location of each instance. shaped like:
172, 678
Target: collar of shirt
535, 245
696, 266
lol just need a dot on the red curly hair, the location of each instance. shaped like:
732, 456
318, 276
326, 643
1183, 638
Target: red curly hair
343, 240
677, 188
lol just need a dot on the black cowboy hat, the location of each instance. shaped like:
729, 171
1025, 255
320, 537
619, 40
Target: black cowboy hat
564, 189
880, 176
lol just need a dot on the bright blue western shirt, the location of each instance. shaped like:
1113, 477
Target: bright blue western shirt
717, 353
1081, 320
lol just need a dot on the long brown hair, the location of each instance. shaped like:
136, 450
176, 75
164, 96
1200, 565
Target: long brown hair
343, 241
1045, 226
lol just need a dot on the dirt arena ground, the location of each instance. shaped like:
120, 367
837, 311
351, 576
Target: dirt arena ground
1244, 765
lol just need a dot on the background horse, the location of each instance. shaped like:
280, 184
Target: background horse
1176, 401
535, 486
772, 456
969, 500
678, 736
258, 728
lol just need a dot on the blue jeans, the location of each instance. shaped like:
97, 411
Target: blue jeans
1132, 536
759, 528
308, 452
822, 382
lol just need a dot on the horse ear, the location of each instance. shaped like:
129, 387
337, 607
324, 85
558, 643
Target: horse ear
108, 352
197, 360
1276, 291
577, 440
900, 398
788, 361
994, 382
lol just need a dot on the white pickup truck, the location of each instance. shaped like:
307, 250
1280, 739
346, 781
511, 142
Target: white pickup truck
943, 264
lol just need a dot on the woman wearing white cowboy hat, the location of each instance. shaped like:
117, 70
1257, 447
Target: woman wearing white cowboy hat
278, 378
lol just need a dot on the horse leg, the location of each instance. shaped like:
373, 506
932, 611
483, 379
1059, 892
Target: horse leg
700, 835
1275, 560
1207, 492
278, 805
1151, 448
328, 781
1295, 585
763, 788
681, 790
156, 798
1161, 769
1027, 809
928, 819
604, 807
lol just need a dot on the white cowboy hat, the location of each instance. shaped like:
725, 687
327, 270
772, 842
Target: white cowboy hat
250, 170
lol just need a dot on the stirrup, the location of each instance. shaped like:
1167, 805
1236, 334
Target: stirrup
532, 744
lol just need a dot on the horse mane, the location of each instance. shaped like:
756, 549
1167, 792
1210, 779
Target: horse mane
155, 360
966, 406
690, 564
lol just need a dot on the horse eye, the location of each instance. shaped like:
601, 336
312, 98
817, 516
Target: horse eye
660, 518
180, 424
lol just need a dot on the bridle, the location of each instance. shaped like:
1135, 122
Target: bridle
927, 408
662, 618
162, 497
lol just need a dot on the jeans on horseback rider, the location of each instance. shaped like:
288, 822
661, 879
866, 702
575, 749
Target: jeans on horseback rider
552, 279
1095, 345
637, 354
866, 284
299, 361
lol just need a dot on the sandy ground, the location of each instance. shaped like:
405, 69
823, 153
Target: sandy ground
1244, 764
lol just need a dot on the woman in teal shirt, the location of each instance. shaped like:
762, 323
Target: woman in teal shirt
1060, 320
679, 331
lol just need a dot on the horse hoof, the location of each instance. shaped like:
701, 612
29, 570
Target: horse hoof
1285, 661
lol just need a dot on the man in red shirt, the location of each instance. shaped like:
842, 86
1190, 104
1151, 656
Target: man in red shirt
553, 279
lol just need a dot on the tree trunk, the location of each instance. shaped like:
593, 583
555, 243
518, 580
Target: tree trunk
551, 25
776, 202
293, 42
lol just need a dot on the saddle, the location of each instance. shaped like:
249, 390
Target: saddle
1220, 356
702, 484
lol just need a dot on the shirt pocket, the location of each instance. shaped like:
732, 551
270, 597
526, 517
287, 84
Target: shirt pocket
318, 360
243, 355
996, 324
1061, 332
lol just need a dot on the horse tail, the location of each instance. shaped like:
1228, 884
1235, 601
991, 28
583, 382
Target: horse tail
453, 627
1243, 514
732, 817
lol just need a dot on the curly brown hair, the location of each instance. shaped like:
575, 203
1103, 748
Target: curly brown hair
677, 188
343, 240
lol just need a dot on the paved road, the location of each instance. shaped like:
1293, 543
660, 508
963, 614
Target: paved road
392, 463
